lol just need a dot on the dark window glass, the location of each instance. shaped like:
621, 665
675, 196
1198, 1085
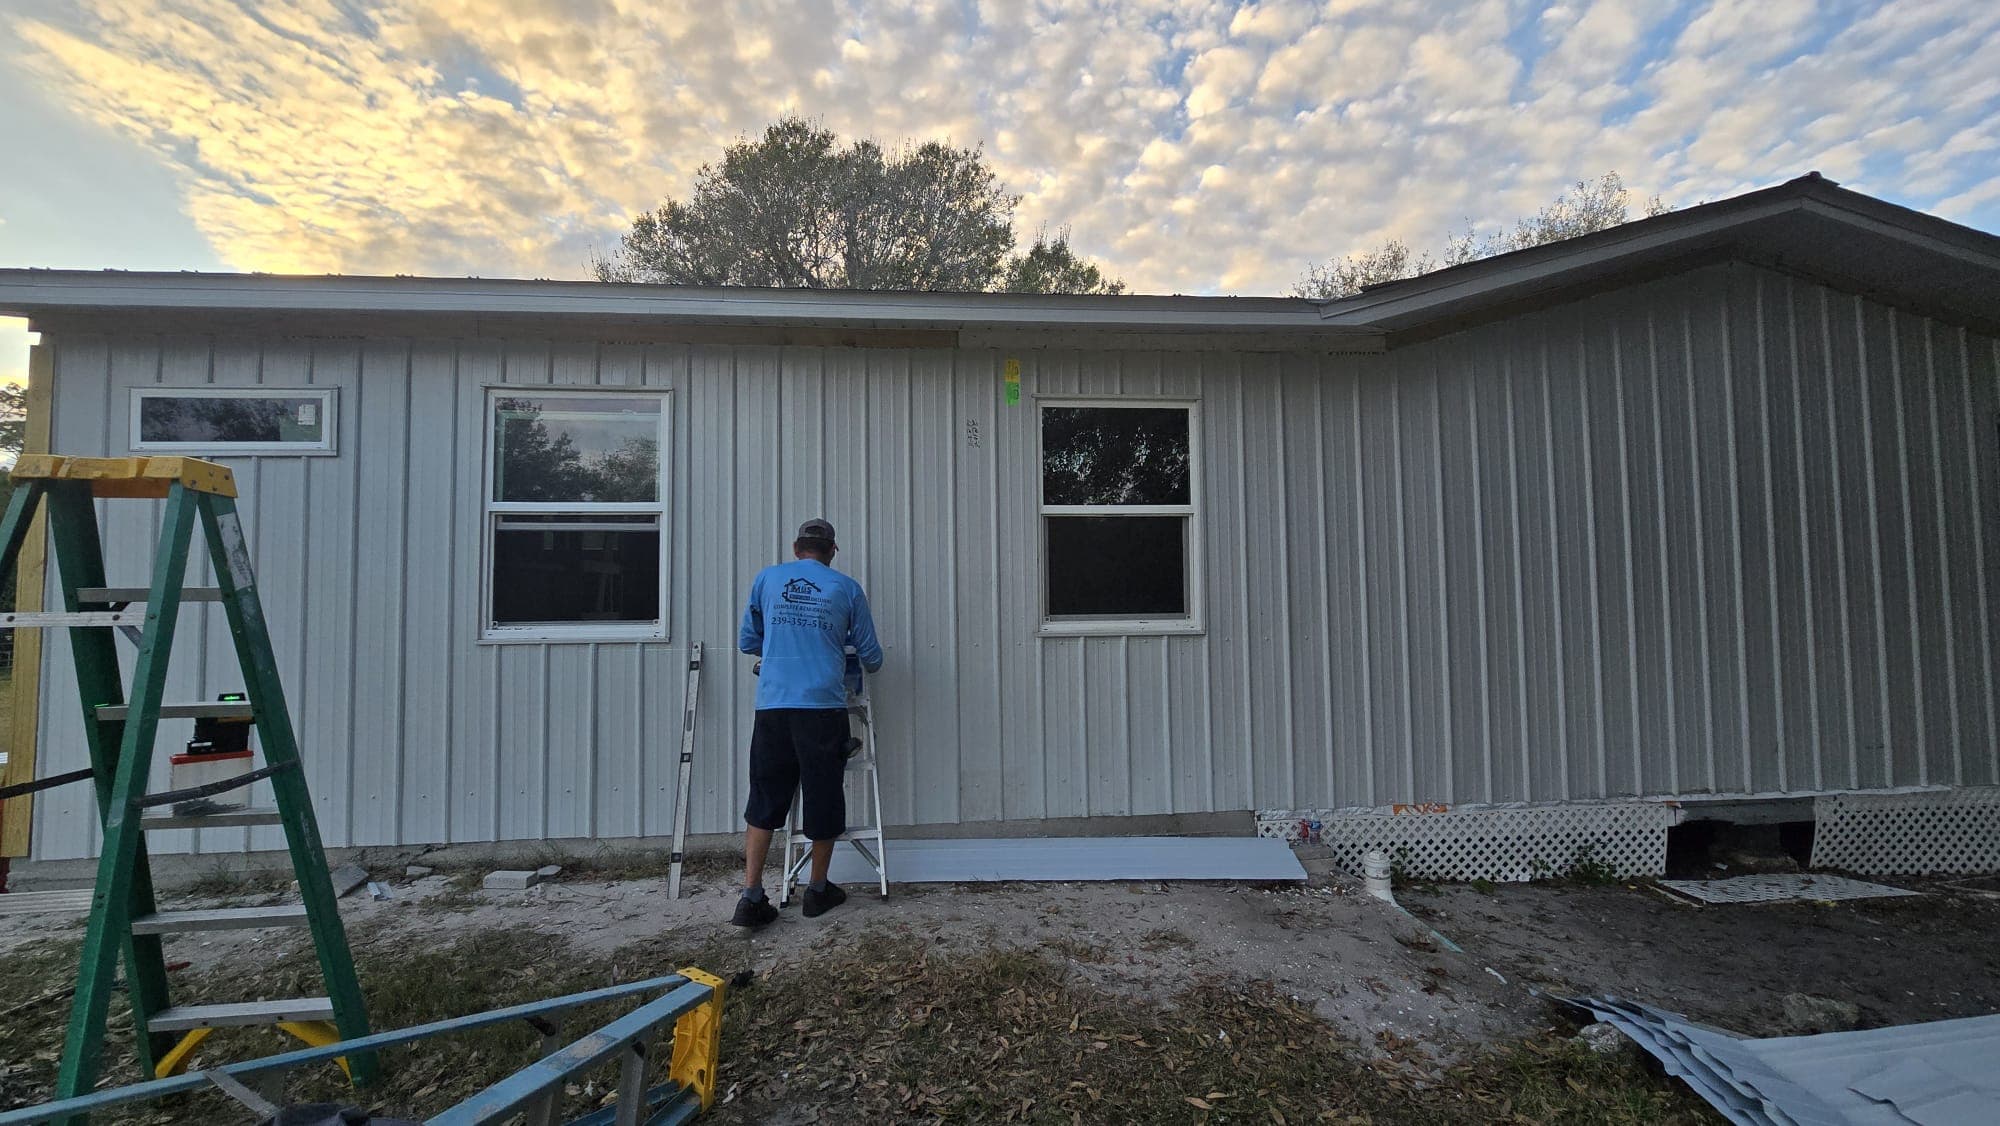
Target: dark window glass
557, 569
1115, 455
225, 419
581, 448
1117, 565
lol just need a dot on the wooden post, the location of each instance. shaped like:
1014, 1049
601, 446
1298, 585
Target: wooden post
31, 570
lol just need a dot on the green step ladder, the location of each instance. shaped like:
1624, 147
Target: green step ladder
120, 733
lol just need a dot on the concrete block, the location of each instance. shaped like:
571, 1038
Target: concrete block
511, 881
548, 871
347, 877
418, 871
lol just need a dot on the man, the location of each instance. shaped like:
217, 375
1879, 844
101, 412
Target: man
801, 618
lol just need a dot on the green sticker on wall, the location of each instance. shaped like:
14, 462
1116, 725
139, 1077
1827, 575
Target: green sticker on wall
1010, 374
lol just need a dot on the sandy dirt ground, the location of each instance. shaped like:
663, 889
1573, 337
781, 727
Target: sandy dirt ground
1365, 967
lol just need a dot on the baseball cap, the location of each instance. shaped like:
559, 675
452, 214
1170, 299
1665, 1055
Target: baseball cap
816, 529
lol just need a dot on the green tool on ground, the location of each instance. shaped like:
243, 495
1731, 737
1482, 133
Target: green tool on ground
120, 733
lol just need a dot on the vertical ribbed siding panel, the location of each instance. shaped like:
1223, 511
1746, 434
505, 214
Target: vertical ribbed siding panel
1614, 769
378, 692
1147, 718
1190, 714
569, 752
662, 669
1025, 768
930, 535
1303, 639
280, 531
1427, 697
1540, 589
620, 693
1980, 574
1105, 690
1224, 474
1795, 574
182, 360
430, 565
521, 698
1498, 470
757, 535
474, 766
1463, 553
1902, 684
1385, 676
975, 529
1267, 622
1712, 407
1763, 761
1932, 609
324, 702
1859, 527
1825, 552
66, 817
1567, 391
885, 488
715, 582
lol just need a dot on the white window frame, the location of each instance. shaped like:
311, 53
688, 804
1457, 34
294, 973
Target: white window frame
329, 413
493, 511
1113, 625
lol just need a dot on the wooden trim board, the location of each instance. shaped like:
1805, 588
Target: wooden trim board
31, 575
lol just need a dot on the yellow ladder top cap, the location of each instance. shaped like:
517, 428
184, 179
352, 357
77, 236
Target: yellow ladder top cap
130, 476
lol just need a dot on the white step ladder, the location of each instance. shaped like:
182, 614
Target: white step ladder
864, 791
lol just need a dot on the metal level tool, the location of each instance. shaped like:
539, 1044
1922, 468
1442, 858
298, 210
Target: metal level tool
689, 697
120, 731
864, 790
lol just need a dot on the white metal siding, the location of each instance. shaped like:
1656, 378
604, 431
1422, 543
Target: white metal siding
1727, 532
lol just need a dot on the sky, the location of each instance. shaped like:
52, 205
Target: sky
1190, 146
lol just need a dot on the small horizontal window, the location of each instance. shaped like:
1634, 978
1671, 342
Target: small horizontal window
228, 420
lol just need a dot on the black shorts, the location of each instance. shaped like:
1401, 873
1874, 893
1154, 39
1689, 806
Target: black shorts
802, 749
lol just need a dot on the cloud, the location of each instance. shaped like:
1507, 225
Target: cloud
1193, 145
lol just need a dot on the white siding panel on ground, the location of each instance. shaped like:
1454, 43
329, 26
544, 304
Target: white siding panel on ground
1725, 532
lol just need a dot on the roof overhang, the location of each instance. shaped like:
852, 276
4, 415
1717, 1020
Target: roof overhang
482, 307
1807, 226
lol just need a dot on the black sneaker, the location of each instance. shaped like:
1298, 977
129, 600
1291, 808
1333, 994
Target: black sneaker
820, 902
753, 912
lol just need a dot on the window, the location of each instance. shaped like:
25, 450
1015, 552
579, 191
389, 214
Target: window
233, 420
575, 505
1122, 546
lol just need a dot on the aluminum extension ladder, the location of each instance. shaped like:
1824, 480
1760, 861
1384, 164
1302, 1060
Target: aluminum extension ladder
861, 776
120, 733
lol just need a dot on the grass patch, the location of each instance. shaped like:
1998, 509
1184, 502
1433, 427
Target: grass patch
886, 1028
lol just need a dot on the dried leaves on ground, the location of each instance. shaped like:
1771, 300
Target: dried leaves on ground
889, 1028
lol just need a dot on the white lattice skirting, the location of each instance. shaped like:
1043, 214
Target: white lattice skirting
1909, 834
1500, 844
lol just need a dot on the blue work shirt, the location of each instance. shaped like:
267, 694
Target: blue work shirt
801, 618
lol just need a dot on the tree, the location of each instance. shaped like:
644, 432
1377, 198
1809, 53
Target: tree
13, 420
1587, 206
13, 434
794, 208
1050, 266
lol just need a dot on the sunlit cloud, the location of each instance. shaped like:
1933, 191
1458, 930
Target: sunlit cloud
1193, 146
